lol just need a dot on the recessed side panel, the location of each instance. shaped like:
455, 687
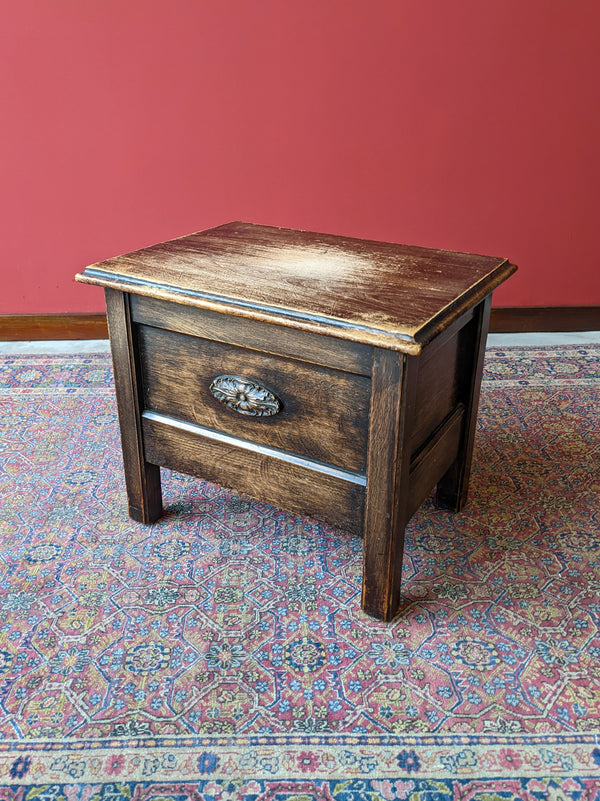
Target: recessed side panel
444, 379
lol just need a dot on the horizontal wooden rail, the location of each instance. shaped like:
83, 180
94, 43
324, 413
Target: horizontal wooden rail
517, 319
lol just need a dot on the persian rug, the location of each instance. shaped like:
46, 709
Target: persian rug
221, 653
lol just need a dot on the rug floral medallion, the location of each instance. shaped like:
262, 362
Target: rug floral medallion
221, 653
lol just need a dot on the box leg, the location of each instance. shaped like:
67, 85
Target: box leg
453, 488
388, 461
142, 479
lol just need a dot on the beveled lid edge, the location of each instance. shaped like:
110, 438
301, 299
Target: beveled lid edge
409, 342
474, 295
278, 315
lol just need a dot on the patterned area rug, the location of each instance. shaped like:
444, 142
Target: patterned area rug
221, 653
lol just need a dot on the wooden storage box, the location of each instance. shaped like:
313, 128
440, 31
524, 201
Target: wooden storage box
330, 376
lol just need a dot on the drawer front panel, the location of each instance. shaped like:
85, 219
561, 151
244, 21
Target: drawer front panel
322, 413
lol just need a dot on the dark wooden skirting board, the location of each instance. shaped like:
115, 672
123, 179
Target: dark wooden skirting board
504, 320
524, 319
24, 327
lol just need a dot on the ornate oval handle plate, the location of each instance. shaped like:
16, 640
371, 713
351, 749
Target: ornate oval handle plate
245, 396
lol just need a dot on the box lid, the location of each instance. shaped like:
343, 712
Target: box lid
384, 294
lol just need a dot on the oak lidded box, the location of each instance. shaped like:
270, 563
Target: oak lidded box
330, 376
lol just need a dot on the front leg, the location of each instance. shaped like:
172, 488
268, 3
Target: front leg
142, 479
388, 462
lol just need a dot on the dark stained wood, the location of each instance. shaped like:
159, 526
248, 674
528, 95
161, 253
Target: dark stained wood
437, 390
442, 338
388, 295
531, 319
434, 459
452, 489
27, 327
262, 337
388, 461
142, 479
324, 412
365, 357
303, 488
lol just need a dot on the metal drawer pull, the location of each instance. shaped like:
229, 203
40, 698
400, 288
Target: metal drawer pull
245, 396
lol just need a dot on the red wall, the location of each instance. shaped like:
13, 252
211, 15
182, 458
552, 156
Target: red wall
467, 125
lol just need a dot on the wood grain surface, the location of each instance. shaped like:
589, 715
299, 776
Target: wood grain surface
388, 476
324, 412
275, 478
142, 479
303, 346
394, 296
